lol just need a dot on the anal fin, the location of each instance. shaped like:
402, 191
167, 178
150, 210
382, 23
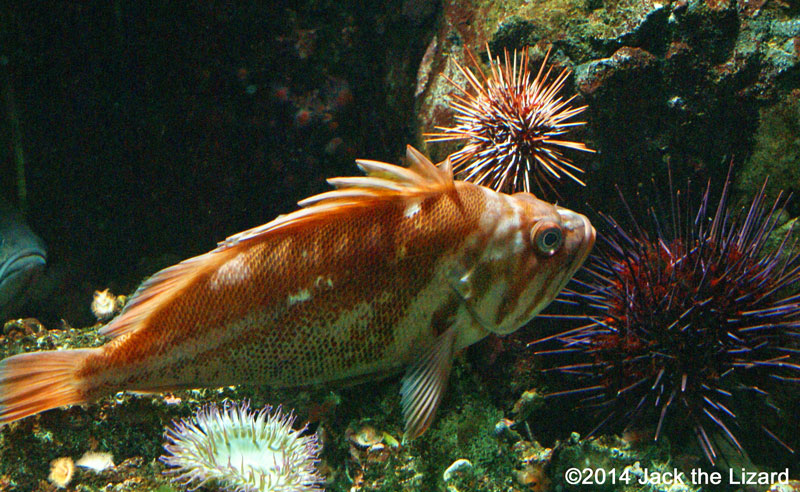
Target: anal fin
424, 384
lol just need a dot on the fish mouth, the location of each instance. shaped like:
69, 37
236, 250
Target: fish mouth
21, 261
17, 273
574, 221
578, 225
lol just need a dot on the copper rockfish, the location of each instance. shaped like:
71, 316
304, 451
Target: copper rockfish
399, 269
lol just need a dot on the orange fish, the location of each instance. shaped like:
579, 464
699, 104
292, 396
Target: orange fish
400, 269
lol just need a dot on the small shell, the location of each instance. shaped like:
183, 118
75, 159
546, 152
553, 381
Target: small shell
26, 326
61, 471
96, 461
532, 477
390, 440
366, 436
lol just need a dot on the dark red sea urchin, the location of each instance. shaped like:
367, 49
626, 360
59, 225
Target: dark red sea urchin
512, 123
696, 328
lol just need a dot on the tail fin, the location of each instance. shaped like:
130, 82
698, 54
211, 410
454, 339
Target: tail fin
35, 382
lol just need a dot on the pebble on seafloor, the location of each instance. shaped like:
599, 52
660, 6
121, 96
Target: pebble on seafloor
23, 326
96, 461
457, 468
365, 437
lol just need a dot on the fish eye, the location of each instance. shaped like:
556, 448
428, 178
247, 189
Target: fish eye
547, 237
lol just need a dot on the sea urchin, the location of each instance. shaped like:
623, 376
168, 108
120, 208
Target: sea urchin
243, 450
694, 329
512, 124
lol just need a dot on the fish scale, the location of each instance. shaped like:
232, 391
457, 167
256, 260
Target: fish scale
399, 269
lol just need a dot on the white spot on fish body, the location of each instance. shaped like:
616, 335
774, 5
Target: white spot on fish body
412, 209
359, 317
499, 250
502, 219
518, 242
300, 296
321, 281
233, 271
342, 244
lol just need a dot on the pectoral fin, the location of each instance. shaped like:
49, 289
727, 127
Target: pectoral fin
460, 280
424, 384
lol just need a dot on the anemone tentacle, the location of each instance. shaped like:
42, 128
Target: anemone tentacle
242, 450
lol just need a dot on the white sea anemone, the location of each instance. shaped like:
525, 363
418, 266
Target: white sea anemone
243, 450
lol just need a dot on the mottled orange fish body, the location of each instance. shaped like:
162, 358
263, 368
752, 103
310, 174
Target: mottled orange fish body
401, 268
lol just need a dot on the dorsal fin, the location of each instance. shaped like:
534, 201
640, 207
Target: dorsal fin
420, 164
383, 182
160, 289
421, 176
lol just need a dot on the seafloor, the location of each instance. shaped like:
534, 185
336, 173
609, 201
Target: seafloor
148, 131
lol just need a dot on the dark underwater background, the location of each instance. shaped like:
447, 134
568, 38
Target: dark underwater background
149, 131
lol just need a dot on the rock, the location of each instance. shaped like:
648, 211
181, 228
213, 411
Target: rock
679, 82
775, 154
626, 64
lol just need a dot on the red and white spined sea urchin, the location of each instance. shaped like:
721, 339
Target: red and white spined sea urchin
512, 124
243, 451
